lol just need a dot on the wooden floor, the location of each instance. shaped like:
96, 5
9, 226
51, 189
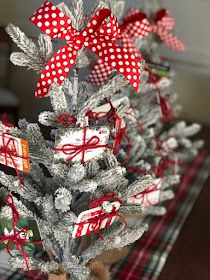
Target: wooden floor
190, 257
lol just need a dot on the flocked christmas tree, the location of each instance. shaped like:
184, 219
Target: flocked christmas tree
75, 185
148, 146
108, 157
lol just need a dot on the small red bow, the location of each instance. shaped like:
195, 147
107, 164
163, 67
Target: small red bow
18, 237
109, 196
67, 119
99, 36
163, 165
97, 221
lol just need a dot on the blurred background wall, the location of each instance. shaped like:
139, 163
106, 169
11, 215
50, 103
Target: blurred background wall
192, 81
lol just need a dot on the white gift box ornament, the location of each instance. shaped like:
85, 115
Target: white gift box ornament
150, 196
81, 144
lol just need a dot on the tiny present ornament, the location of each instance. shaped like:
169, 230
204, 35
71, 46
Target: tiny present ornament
27, 230
81, 144
150, 196
18, 233
99, 217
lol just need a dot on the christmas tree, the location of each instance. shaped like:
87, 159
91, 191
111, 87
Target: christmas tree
75, 186
109, 155
154, 142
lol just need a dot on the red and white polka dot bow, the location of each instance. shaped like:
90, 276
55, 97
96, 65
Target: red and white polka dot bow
135, 25
99, 36
163, 23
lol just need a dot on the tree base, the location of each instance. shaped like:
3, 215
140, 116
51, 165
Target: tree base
59, 275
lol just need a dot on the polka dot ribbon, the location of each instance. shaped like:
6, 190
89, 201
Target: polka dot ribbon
99, 36
163, 24
136, 25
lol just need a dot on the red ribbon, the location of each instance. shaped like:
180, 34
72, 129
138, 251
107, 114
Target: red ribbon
11, 154
67, 119
5, 121
95, 116
74, 150
165, 107
165, 162
96, 221
99, 36
114, 119
163, 101
16, 237
130, 112
109, 196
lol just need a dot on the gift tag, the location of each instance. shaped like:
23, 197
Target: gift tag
14, 152
81, 144
84, 224
150, 196
32, 234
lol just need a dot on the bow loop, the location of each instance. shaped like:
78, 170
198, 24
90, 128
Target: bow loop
103, 25
67, 119
164, 18
10, 202
53, 22
136, 24
94, 140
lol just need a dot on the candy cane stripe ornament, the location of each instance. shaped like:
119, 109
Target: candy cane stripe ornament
99, 36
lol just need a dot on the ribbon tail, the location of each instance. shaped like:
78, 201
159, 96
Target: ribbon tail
56, 70
175, 43
172, 41
25, 257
